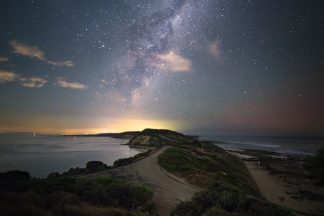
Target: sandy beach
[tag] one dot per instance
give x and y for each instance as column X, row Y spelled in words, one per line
column 277, row 191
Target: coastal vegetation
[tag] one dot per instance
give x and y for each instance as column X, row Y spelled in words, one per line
column 72, row 196
column 221, row 200
column 228, row 188
column 315, row 164
column 203, row 169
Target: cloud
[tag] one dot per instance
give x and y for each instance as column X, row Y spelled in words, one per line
column 33, row 82
column 172, row 62
column 8, row 76
column 27, row 50
column 62, row 82
column 35, row 53
column 213, row 49
column 3, row 59
column 67, row 63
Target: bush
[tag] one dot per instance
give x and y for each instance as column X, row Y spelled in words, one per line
column 230, row 201
column 218, row 212
column 14, row 175
column 61, row 191
column 95, row 166
column 56, row 204
column 315, row 165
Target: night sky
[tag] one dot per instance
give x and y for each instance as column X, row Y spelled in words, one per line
column 196, row 66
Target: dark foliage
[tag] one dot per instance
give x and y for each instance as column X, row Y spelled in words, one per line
column 315, row 165
column 101, row 192
column 95, row 166
column 230, row 201
column 14, row 175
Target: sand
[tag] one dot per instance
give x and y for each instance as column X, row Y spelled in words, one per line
column 275, row 190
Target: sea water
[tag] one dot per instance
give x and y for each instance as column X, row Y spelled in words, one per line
column 286, row 145
column 43, row 154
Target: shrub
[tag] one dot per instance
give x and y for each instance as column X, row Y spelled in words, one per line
column 218, row 212
column 230, row 201
column 15, row 175
column 61, row 191
column 95, row 166
column 315, row 165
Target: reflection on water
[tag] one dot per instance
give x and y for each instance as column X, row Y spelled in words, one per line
column 43, row 154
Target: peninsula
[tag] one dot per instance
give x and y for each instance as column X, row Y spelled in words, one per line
column 177, row 175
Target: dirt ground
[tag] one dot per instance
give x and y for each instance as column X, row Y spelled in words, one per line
column 168, row 189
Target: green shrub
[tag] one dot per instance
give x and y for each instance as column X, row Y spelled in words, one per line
column 56, row 204
column 315, row 165
column 61, row 191
column 218, row 212
column 95, row 166
column 230, row 201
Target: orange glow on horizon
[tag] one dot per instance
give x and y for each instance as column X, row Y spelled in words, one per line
column 113, row 126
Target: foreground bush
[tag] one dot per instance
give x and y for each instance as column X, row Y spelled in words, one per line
column 68, row 195
column 56, row 204
column 225, row 201
column 315, row 165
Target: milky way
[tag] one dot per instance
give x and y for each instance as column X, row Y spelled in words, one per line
column 198, row 66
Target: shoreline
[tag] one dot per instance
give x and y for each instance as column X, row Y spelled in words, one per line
column 282, row 189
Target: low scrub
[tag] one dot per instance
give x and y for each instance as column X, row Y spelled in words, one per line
column 204, row 169
column 67, row 194
column 315, row 164
column 225, row 201
column 55, row 204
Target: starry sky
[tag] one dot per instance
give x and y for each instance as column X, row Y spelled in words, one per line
column 196, row 66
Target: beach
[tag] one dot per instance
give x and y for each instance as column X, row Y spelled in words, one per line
column 285, row 190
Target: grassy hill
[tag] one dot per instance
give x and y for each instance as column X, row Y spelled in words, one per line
column 228, row 187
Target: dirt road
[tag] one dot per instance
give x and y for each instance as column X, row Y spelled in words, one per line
column 168, row 189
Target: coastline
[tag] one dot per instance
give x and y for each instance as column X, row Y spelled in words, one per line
column 175, row 167
column 283, row 188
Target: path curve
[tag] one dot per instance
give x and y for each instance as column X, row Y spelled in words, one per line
column 168, row 189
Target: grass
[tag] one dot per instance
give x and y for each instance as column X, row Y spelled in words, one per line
column 203, row 169
column 229, row 188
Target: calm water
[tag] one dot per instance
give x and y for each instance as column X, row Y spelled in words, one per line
column 43, row 154
column 289, row 145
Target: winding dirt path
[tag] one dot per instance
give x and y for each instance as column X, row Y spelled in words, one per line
column 168, row 189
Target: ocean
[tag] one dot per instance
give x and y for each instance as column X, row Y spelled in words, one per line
column 43, row 154
column 284, row 145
